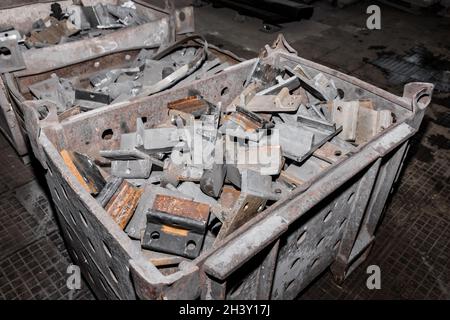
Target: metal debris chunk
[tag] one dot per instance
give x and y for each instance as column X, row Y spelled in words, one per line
column 138, row 222
column 176, row 226
column 84, row 170
column 11, row 58
column 122, row 204
column 110, row 188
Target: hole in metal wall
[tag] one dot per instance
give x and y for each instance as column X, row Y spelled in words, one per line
column 85, row 260
column 43, row 112
column 336, row 245
column 68, row 234
column 191, row 245
column 83, row 218
column 182, row 16
column 113, row 275
column 57, row 193
column 327, row 216
column 320, row 242
column 90, row 278
column 5, row 53
column 64, row 193
column 294, row 263
column 301, row 237
column 350, row 197
column 107, row 134
column 91, row 245
column 224, row 91
column 103, row 284
column 290, row 284
column 107, row 250
column 75, row 255
column 342, row 223
column 72, row 217
column 154, row 235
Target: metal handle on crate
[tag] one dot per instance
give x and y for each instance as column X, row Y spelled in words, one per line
column 419, row 93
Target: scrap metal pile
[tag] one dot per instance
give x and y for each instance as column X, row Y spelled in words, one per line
column 150, row 72
column 181, row 187
column 76, row 22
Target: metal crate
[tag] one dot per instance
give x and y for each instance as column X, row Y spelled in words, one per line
column 330, row 221
column 165, row 25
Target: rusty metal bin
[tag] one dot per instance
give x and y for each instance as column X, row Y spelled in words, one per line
column 329, row 221
column 165, row 24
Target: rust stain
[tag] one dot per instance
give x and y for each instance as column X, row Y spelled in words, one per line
column 189, row 104
column 329, row 152
column 289, row 179
column 68, row 160
column 182, row 207
column 174, row 231
column 245, row 122
column 229, row 196
column 123, row 204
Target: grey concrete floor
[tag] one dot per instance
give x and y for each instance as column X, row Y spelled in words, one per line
column 413, row 241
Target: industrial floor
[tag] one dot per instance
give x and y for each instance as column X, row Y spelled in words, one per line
column 412, row 247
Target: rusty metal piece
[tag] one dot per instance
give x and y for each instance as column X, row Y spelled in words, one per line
column 282, row 102
column 159, row 259
column 176, row 225
column 52, row 34
column 229, row 196
column 110, row 188
column 309, row 169
column 359, row 119
column 212, row 180
column 265, row 159
column 244, row 97
column 182, row 207
column 175, row 76
column 249, row 121
column 194, row 105
column 371, row 122
column 292, row 181
column 11, row 58
column 244, row 209
column 138, row 223
column 174, row 173
column 186, row 119
column 345, row 114
column 123, row 203
column 297, row 148
column 334, row 150
column 69, row 113
column 55, row 89
column 68, row 160
column 84, row 170
column 244, row 124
